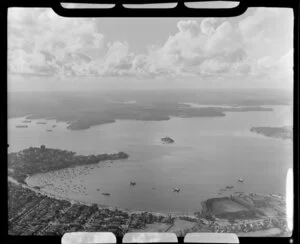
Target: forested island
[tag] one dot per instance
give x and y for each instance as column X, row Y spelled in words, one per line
column 35, row 160
column 167, row 140
column 284, row 132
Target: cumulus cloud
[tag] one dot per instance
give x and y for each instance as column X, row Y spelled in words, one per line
column 40, row 42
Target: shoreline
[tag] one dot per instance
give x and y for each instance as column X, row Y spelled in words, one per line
column 26, row 156
column 100, row 206
column 137, row 220
column 216, row 111
column 103, row 206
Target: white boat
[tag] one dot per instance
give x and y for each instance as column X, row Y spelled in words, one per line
column 241, row 180
column 176, row 189
column 132, row 183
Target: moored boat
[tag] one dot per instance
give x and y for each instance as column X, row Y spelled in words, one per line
column 132, row 183
column 21, row 126
column 176, row 189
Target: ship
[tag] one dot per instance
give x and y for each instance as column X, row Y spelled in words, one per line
column 21, row 126
column 26, row 121
column 48, row 130
column 132, row 183
column 167, row 140
column 176, row 189
column 229, row 187
column 106, row 194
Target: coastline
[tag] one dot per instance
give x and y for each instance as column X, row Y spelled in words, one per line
column 137, row 220
column 72, row 201
column 188, row 111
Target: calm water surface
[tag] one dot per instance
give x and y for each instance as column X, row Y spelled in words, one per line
column 208, row 154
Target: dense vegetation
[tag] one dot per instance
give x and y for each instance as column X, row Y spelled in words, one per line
column 38, row 160
column 84, row 110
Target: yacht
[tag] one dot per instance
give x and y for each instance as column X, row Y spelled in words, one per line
column 132, row 183
column 176, row 189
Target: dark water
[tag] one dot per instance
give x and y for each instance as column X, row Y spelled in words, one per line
column 208, row 154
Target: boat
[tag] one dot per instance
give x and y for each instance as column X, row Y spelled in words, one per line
column 48, row 130
column 229, row 187
column 132, row 183
column 176, row 189
column 53, row 126
column 167, row 140
column 41, row 123
column 240, row 180
column 21, row 126
column 106, row 194
column 26, row 121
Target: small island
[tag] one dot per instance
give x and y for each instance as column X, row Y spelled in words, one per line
column 284, row 132
column 167, row 140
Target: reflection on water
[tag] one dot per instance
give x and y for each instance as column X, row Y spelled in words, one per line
column 208, row 154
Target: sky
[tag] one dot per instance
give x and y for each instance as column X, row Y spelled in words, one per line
column 50, row 52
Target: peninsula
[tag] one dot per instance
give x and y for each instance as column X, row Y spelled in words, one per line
column 36, row 160
column 284, row 132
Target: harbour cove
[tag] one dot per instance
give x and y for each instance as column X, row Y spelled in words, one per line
column 184, row 129
column 200, row 162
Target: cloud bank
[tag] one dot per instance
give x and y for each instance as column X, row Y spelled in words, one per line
column 258, row 45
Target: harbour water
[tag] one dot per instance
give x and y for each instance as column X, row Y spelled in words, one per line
column 208, row 154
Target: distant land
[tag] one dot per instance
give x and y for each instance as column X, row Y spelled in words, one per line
column 81, row 111
column 284, row 132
